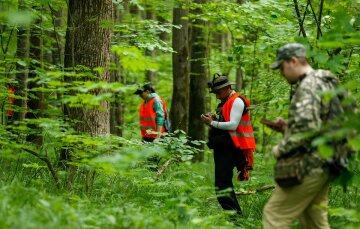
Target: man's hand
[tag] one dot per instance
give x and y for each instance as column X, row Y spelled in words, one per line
column 158, row 131
column 207, row 118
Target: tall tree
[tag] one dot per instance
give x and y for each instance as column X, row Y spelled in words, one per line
column 180, row 61
column 22, row 53
column 57, row 52
column 150, row 73
column 198, row 76
column 239, row 71
column 116, row 106
column 88, row 44
column 35, row 102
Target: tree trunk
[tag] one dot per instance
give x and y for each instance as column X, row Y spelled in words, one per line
column 88, row 44
column 239, row 75
column 180, row 61
column 239, row 72
column 116, row 107
column 35, row 101
column 150, row 73
column 164, row 36
column 22, row 53
column 198, row 79
column 58, row 50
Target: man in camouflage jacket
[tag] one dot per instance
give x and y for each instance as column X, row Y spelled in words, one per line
column 308, row 110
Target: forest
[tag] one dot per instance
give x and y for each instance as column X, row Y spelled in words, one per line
column 71, row 154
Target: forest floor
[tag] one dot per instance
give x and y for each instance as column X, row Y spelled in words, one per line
column 138, row 198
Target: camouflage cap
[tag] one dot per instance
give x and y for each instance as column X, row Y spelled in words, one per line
column 286, row 52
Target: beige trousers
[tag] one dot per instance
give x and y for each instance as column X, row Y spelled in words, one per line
column 307, row 202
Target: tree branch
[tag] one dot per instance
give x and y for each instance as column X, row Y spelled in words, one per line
column 302, row 29
column 49, row 165
column 303, row 18
column 318, row 25
column 319, row 19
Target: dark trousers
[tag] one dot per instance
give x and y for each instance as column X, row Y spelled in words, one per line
column 225, row 161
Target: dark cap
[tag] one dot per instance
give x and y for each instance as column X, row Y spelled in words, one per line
column 218, row 82
column 145, row 87
column 286, row 52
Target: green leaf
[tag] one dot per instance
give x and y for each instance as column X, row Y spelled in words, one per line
column 325, row 151
column 355, row 143
column 22, row 63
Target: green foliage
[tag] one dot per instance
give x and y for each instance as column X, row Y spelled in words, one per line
column 133, row 60
column 109, row 182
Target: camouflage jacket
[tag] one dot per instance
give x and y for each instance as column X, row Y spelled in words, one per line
column 308, row 110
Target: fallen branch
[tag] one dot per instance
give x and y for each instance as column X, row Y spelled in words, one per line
column 259, row 189
column 162, row 169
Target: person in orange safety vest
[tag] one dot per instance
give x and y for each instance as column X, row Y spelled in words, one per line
column 232, row 139
column 152, row 112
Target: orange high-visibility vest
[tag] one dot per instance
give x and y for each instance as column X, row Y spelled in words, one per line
column 148, row 118
column 243, row 136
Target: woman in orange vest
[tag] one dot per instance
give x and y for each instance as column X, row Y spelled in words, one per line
column 152, row 113
column 231, row 136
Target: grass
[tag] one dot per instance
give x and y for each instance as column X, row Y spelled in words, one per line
column 135, row 198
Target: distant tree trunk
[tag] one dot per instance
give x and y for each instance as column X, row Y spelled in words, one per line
column 22, row 53
column 222, row 41
column 164, row 36
column 198, row 79
column 134, row 10
column 58, row 50
column 150, row 73
column 116, row 107
column 35, row 101
column 239, row 72
column 180, row 61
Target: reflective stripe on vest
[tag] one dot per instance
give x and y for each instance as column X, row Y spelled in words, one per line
column 243, row 136
column 148, row 127
column 148, row 118
column 232, row 133
column 245, row 123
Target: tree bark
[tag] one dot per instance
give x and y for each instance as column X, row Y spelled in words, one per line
column 116, row 107
column 150, row 73
column 35, row 103
column 22, row 53
column 57, row 52
column 88, row 44
column 180, row 61
column 198, row 80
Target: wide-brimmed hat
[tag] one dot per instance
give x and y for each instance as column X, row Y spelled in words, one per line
column 145, row 87
column 286, row 52
column 219, row 81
